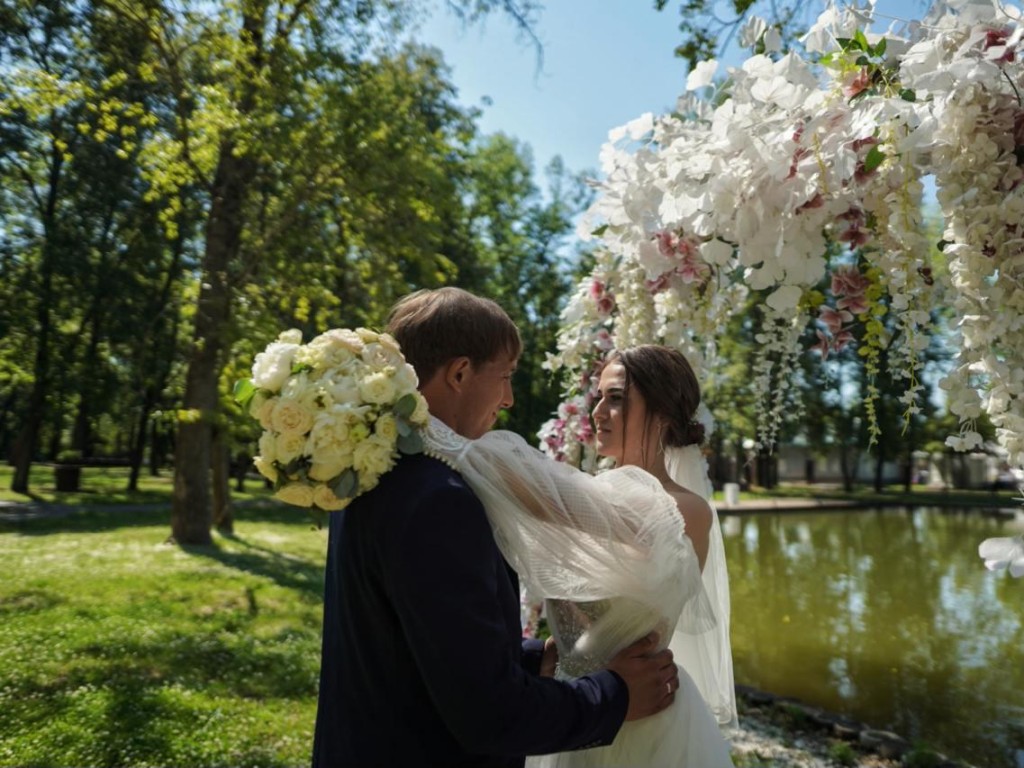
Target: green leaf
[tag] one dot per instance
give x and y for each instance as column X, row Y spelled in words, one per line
column 863, row 61
column 600, row 230
column 411, row 443
column 880, row 48
column 873, row 159
column 345, row 484
column 298, row 368
column 404, row 427
column 405, row 405
column 850, row 44
column 862, row 41
column 244, row 391
column 908, row 95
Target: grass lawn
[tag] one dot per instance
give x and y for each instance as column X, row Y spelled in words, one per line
column 117, row 649
column 106, row 485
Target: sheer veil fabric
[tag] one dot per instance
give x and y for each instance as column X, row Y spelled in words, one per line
column 609, row 556
column 580, row 538
column 707, row 656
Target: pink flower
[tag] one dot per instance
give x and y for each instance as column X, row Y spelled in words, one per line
column 854, row 236
column 832, row 319
column 859, row 84
column 848, row 280
column 856, row 303
column 841, row 339
column 693, row 271
column 605, row 305
column 822, row 345
column 997, row 37
column 603, row 340
column 815, row 202
column 666, row 246
column 596, row 290
column 657, row 285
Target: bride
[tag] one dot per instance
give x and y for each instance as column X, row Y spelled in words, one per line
column 609, row 553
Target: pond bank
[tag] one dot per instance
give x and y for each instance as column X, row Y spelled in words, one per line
column 780, row 732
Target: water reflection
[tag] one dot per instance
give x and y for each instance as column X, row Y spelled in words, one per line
column 886, row 616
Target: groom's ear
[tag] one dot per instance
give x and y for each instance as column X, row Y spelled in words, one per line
column 456, row 372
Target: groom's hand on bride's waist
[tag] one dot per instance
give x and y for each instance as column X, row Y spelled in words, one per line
column 649, row 674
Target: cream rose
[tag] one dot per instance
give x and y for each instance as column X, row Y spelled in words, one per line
column 405, row 378
column 358, row 432
column 386, row 428
column 373, row 457
column 299, row 494
column 330, row 442
column 265, row 413
column 291, row 336
column 366, row 335
column 377, row 388
column 422, row 413
column 290, row 445
column 272, row 367
column 324, row 498
column 324, row 471
column 291, row 416
column 266, row 468
column 268, row 446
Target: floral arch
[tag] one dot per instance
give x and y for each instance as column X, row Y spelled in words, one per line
column 802, row 168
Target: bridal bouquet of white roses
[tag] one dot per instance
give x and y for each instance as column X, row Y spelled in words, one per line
column 336, row 413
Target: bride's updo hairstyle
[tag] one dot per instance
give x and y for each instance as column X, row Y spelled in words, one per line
column 434, row 327
column 666, row 382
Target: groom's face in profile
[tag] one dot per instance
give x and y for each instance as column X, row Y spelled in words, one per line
column 486, row 390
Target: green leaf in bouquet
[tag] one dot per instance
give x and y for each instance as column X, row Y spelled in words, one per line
column 403, row 425
column 345, row 485
column 244, row 391
column 405, row 406
column 411, row 443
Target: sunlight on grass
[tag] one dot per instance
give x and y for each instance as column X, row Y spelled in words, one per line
column 117, row 649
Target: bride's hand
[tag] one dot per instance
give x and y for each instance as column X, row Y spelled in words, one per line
column 549, row 660
column 651, row 676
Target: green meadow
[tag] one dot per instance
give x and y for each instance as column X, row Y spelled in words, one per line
column 118, row 648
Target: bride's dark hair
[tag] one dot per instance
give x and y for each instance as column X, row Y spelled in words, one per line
column 669, row 388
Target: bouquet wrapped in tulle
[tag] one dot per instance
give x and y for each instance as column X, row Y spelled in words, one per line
column 336, row 413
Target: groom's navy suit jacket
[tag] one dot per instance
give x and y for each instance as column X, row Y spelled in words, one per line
column 423, row 659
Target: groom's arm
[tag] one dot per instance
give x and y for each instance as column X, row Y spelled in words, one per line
column 445, row 590
column 533, row 655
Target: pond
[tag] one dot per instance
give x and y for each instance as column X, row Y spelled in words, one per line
column 887, row 616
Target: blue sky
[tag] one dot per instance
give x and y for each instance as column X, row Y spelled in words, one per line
column 605, row 63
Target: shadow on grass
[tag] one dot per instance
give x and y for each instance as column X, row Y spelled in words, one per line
column 283, row 569
column 83, row 518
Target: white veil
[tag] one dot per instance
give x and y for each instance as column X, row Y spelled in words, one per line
column 576, row 537
column 707, row 656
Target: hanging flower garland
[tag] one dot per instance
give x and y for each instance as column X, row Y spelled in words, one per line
column 751, row 188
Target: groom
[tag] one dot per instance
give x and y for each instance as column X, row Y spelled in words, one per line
column 423, row 662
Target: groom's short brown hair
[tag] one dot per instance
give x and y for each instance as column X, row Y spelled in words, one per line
column 436, row 326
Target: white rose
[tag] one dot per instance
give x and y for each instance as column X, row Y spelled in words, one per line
column 343, row 390
column 386, row 428
column 299, row 494
column 290, row 445
column 366, row 335
column 372, row 458
column 271, row 368
column 377, row 388
column 265, row 413
column 422, row 413
column 265, row 468
column 291, row 336
column 405, row 378
column 329, row 438
column 268, row 446
column 324, row 498
column 345, row 339
column 388, row 341
column 291, row 416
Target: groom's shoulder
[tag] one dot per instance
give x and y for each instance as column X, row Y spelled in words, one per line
column 421, row 473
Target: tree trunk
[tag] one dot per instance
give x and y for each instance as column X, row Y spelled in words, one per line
column 223, row 510
column 191, row 513
column 138, row 447
column 879, row 466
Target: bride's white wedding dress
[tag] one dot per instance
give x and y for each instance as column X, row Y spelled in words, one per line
column 609, row 556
